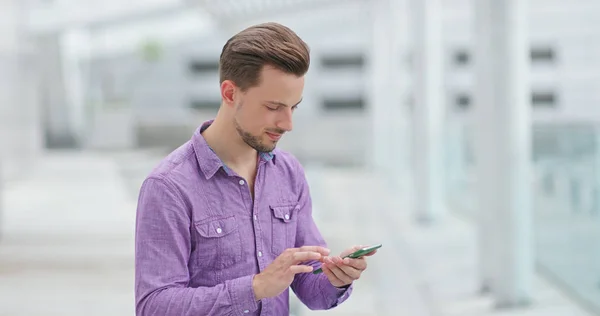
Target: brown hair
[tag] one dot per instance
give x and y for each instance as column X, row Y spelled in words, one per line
column 272, row 44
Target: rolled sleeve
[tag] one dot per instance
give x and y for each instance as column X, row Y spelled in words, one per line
column 329, row 290
column 242, row 295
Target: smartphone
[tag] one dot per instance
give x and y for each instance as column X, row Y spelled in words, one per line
column 357, row 254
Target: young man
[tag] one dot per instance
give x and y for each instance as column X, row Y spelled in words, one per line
column 224, row 223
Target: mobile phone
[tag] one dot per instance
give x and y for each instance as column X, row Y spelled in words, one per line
column 357, row 254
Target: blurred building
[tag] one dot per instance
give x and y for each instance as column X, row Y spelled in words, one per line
column 154, row 90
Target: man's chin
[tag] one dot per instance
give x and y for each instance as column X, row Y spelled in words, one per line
column 269, row 149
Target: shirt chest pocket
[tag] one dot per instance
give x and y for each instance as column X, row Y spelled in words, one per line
column 219, row 243
column 284, row 224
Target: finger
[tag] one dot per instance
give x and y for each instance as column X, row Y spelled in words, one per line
column 332, row 278
column 322, row 250
column 339, row 274
column 351, row 272
column 359, row 264
column 295, row 269
column 306, row 256
column 328, row 260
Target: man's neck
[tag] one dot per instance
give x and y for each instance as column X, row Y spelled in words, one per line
column 225, row 141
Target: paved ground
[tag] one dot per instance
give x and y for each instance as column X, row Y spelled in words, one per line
column 67, row 240
column 67, row 244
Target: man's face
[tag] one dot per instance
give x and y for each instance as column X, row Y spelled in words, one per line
column 264, row 113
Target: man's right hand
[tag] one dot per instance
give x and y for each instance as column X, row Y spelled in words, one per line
column 280, row 273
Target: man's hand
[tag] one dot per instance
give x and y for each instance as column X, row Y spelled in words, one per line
column 280, row 273
column 342, row 272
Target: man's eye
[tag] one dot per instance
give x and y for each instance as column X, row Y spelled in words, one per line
column 272, row 108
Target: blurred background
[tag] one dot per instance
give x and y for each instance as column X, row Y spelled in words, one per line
column 463, row 135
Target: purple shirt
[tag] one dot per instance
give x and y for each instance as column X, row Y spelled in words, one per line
column 200, row 238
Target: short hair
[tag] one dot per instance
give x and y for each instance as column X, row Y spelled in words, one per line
column 268, row 44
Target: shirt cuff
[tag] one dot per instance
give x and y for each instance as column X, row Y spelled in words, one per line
column 242, row 295
column 341, row 293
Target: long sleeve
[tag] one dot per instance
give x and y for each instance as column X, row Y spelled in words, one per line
column 315, row 291
column 162, row 251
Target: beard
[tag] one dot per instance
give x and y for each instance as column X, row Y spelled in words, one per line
column 253, row 141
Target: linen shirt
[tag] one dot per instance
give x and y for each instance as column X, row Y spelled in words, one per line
column 201, row 237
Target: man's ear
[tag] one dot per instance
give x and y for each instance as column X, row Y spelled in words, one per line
column 228, row 90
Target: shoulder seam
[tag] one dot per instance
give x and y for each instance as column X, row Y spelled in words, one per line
column 169, row 185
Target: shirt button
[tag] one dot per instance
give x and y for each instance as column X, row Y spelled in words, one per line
column 287, row 216
column 260, row 253
column 219, row 230
column 255, row 217
column 246, row 311
column 242, row 182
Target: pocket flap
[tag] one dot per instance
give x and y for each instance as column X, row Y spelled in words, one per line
column 213, row 228
column 284, row 212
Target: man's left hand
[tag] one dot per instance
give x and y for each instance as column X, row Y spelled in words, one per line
column 342, row 272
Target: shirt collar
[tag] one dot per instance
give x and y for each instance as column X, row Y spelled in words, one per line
column 208, row 160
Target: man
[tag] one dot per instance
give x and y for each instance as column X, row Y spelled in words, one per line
column 224, row 223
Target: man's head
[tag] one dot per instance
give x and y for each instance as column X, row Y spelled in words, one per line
column 262, row 72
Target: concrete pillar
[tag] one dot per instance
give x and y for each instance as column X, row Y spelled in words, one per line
column 428, row 120
column 9, row 68
column 503, row 150
column 384, row 90
column 55, row 106
column 75, row 48
column 19, row 131
column 379, row 61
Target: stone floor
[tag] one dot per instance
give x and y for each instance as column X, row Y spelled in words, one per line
column 67, row 244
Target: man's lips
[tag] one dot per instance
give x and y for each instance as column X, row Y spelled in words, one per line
column 274, row 136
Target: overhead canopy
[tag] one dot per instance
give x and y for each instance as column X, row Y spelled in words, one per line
column 235, row 10
column 66, row 14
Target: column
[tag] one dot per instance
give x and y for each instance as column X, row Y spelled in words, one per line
column 384, row 90
column 56, row 122
column 19, row 131
column 75, row 48
column 379, row 61
column 19, row 137
column 9, row 15
column 503, row 136
column 428, row 114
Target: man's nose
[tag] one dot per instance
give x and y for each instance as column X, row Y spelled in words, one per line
column 285, row 123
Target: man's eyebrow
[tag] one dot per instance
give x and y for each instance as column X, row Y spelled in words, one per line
column 283, row 104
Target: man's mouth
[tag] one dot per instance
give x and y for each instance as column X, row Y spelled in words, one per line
column 274, row 136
